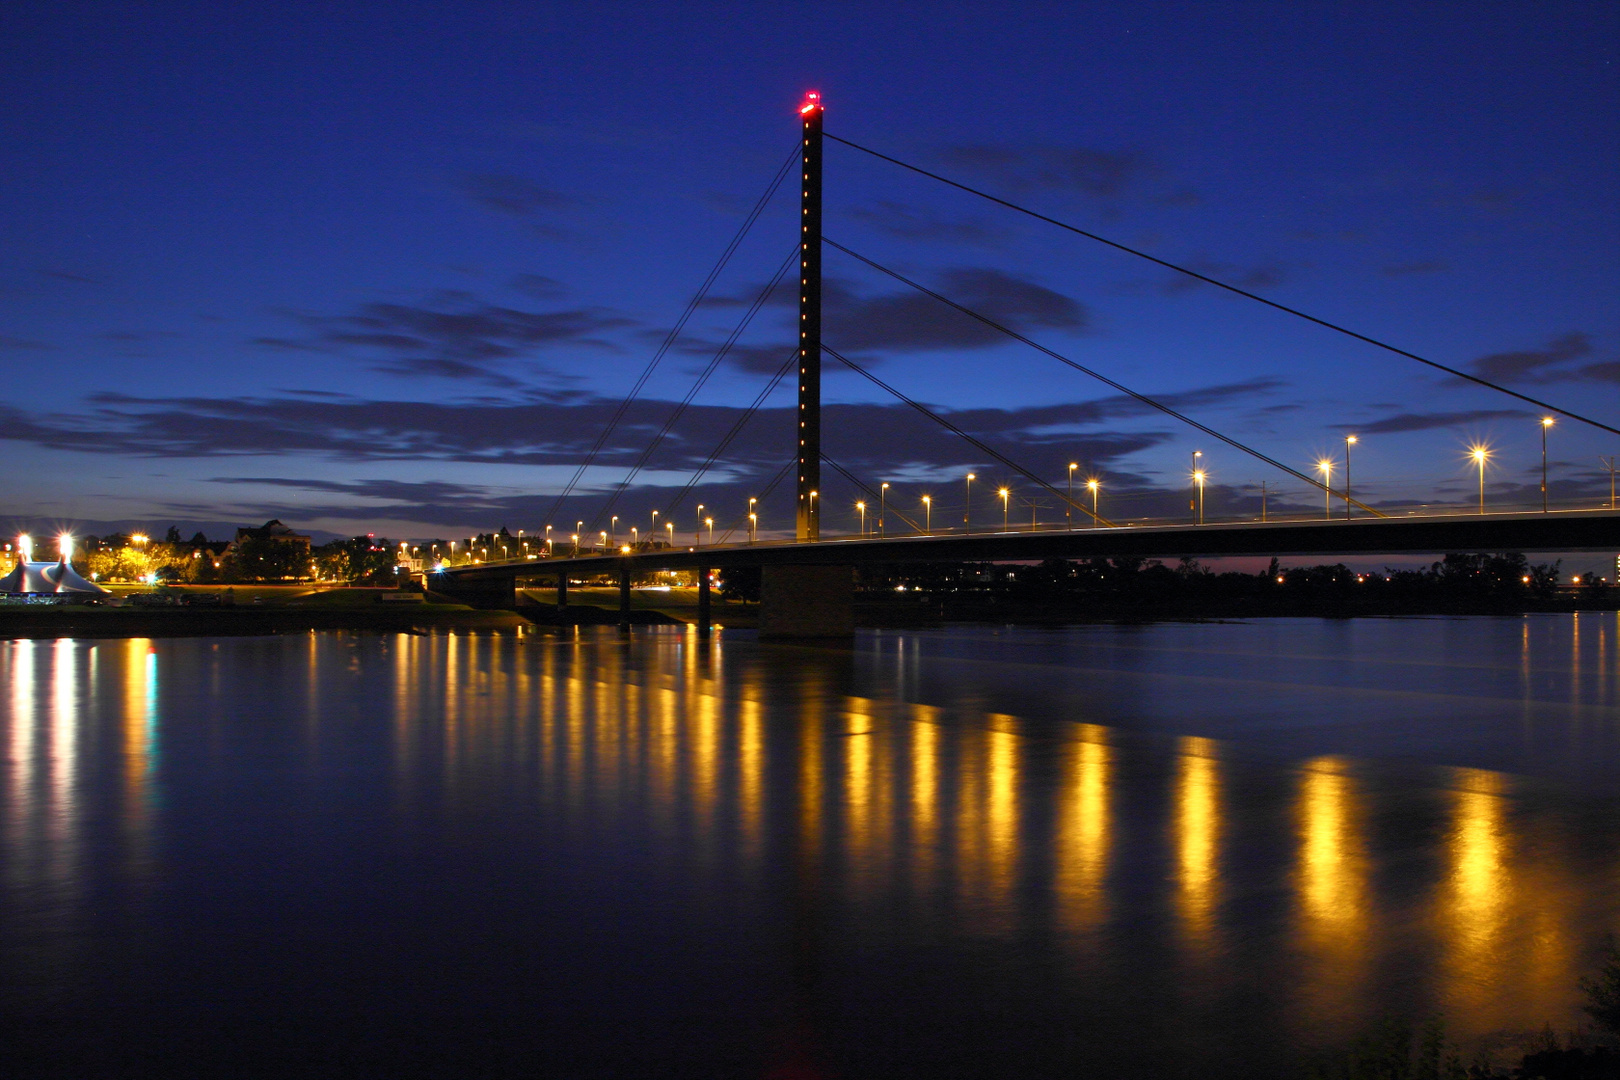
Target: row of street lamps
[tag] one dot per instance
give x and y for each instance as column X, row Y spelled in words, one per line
column 1479, row 454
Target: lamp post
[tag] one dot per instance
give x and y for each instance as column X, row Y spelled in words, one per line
column 635, row 538
column 1609, row 463
column 576, row 545
column 1349, row 441
column 1325, row 467
column 603, row 534
column 1094, row 484
column 613, row 530
column 1003, row 493
column 1546, row 422
column 967, row 507
column 700, row 517
column 883, row 508
column 710, row 523
column 1193, row 502
column 928, row 515
column 1069, row 512
column 1198, row 478
column 753, row 520
column 1480, row 454
column 670, row 525
column 861, row 506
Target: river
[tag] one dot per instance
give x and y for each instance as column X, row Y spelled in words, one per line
column 1206, row 850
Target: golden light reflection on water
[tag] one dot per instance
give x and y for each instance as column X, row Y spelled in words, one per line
column 1197, row 839
column 1331, row 884
column 1478, row 893
column 924, row 795
column 1080, row 871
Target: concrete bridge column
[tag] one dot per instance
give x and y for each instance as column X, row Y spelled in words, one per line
column 807, row 602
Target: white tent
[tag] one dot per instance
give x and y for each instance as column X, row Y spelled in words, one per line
column 47, row 577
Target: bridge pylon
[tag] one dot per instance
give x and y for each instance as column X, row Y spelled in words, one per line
column 807, row 517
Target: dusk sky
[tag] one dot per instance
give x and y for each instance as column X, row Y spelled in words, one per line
column 390, row 267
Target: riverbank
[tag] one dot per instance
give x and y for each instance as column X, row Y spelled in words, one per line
column 253, row 610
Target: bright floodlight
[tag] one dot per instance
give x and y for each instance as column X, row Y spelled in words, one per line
column 64, row 544
column 25, row 546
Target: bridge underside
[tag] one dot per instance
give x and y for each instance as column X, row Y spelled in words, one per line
column 807, row 588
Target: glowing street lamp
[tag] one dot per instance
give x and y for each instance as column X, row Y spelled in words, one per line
column 603, row 534
column 1069, row 512
column 883, row 508
column 1094, row 484
column 670, row 525
column 1546, row 422
column 928, row 514
column 1196, row 454
column 1480, row 454
column 1349, row 441
column 862, row 508
column 635, row 536
column 709, row 521
column 576, row 545
column 1198, row 478
column 1003, row 493
column 967, row 507
column 1325, row 467
column 753, row 525
column 613, row 530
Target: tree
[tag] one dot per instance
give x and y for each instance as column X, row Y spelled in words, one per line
column 1603, row 991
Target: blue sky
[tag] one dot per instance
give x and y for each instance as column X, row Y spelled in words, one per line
column 390, row 267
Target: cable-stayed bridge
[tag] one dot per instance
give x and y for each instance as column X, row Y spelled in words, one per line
column 808, row 580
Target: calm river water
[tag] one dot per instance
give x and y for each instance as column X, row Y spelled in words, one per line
column 1171, row 850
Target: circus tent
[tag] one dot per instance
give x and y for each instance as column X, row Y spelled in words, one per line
column 29, row 576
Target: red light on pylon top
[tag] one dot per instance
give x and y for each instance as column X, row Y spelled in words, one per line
column 812, row 102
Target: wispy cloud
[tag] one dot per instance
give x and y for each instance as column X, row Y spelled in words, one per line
column 1099, row 173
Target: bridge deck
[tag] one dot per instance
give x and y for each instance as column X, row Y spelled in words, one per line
column 1585, row 530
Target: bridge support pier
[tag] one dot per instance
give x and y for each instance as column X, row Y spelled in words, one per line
column 705, row 623
column 806, row 602
column 488, row 594
column 624, row 597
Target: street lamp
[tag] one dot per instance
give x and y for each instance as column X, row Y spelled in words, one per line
column 700, row 517
column 670, row 525
column 1003, row 493
column 928, row 514
column 1069, row 513
column 1349, row 441
column 1198, row 478
column 613, row 530
column 967, row 507
column 604, row 536
column 862, row 508
column 1325, row 467
column 1196, row 454
column 635, row 537
column 710, row 523
column 883, row 508
column 1546, row 422
column 753, row 524
column 1480, row 454
column 1093, row 484
column 576, row 545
